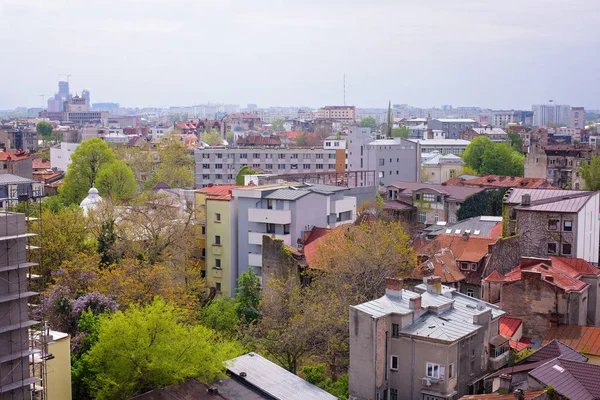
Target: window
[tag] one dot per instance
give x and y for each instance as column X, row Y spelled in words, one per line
column 394, row 363
column 269, row 204
column 422, row 216
column 268, row 155
column 452, row 218
column 497, row 351
column 331, row 156
column 203, row 230
column 567, row 225
column 205, row 166
column 319, row 155
column 256, row 165
column 473, row 266
column 306, row 166
column 452, row 173
column 327, row 143
column 552, row 224
column 306, row 156
column 205, row 176
column 271, row 228
column 218, row 286
column 433, row 370
column 566, row 249
column 464, row 266
column 243, row 155
column 450, row 371
column 470, row 293
column 418, row 196
column 395, row 330
column 219, row 155
column 393, row 394
column 436, row 217
column 381, row 174
column 281, row 155
column 286, row 229
column 319, row 166
column 255, row 155
column 331, row 166
column 281, row 166
column 218, row 176
column 217, row 217
column 381, row 162
column 217, row 263
column 217, row 240
column 218, row 166
column 428, row 197
column 269, row 166
column 551, row 248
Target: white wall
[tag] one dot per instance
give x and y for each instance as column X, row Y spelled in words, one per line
column 60, row 157
column 588, row 230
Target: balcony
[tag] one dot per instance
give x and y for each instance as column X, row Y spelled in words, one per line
column 255, row 260
column 345, row 204
column 264, row 215
column 256, row 238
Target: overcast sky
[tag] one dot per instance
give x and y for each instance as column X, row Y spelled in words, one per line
column 488, row 53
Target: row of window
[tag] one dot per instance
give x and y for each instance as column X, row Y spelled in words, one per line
column 553, row 225
column 566, row 249
column 268, row 156
column 436, row 217
column 270, row 166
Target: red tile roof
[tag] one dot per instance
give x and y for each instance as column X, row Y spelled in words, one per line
column 14, row 156
column 561, row 272
column 442, row 264
column 312, row 242
column 218, row 190
column 584, row 339
column 538, row 394
column 521, row 344
column 40, row 163
column 495, row 276
column 257, row 139
column 509, row 326
column 472, row 249
column 501, row 181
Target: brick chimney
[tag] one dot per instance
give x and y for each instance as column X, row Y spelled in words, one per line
column 415, row 303
column 434, row 284
column 393, row 287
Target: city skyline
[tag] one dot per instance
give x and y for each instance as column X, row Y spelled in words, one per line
column 163, row 53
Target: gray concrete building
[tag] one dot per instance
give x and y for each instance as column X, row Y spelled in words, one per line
column 392, row 159
column 221, row 165
column 433, row 345
column 285, row 212
column 452, row 127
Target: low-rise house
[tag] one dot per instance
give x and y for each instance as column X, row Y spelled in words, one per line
column 432, row 344
column 500, row 181
column 458, row 258
column 13, row 187
column 583, row 339
column 570, row 379
column 516, row 395
column 16, row 163
column 516, row 377
column 438, row 168
column 512, row 329
column 434, row 202
column 495, row 134
column 543, row 292
column 553, row 222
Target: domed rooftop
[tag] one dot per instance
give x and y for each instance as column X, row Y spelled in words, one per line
column 90, row 202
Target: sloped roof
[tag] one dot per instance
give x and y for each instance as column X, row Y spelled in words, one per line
column 14, row 156
column 552, row 350
column 502, row 181
column 584, row 339
column 38, row 163
column 442, row 264
column 10, row 179
column 457, row 193
column 486, row 226
column 472, row 249
column 549, row 200
column 495, row 276
column 538, row 394
column 509, row 326
column 397, row 205
column 574, row 380
column 217, row 189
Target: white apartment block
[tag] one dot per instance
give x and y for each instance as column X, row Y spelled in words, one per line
column 156, row 135
column 545, row 114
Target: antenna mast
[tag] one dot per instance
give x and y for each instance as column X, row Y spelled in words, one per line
column 344, row 89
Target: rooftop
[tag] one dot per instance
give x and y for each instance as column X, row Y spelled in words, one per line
column 509, row 326
column 574, row 380
column 501, row 181
column 442, row 264
column 441, row 142
column 584, row 339
column 452, row 192
column 273, row 380
column 484, row 226
column 535, row 395
column 437, row 159
column 549, row 200
column 10, row 179
column 463, row 120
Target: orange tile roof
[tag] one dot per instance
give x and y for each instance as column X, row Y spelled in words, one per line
column 217, row 190
column 15, row 156
column 312, row 243
column 501, row 181
column 442, row 264
column 39, row 163
column 509, row 326
column 495, row 276
column 584, row 339
column 538, row 394
column 521, row 344
column 472, row 249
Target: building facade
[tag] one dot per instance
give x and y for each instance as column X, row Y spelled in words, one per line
column 452, row 127
column 344, row 114
column 60, row 155
column 546, row 114
column 577, row 118
column 430, row 344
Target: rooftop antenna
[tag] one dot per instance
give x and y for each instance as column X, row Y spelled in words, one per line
column 344, row 89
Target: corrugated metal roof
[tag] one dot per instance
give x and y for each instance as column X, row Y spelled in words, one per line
column 287, row 194
column 10, row 179
column 274, row 380
column 549, row 200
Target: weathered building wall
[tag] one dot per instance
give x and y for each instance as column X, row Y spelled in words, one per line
column 279, row 261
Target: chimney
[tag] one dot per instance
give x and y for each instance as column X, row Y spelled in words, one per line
column 526, row 199
column 393, row 287
column 415, row 303
column 465, row 235
column 519, row 395
column 434, row 284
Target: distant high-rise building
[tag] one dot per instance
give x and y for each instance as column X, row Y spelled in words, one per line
column 546, row 114
column 56, row 103
column 446, row 107
column 85, row 94
column 63, row 88
column 577, row 118
column 252, row 106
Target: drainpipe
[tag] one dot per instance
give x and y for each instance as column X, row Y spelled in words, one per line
column 412, row 378
column 375, row 345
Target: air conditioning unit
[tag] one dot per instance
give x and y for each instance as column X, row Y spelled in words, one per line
column 426, row 381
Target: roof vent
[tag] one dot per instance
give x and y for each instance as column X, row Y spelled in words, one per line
column 526, row 199
column 481, row 306
column 243, row 374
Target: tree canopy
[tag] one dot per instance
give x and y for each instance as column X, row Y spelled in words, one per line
column 590, row 172
column 487, row 157
column 245, row 170
column 368, row 122
column 116, row 180
column 86, row 161
column 145, row 348
column 277, row 125
column 176, row 167
column 401, row 132
column 212, row 137
column 44, row 129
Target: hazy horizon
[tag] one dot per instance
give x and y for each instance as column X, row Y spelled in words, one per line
column 160, row 53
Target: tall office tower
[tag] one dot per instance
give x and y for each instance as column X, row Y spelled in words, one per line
column 85, row 94
column 63, row 88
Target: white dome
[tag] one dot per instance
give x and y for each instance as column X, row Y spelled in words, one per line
column 91, row 200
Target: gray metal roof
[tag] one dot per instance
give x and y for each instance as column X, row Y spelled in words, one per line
column 482, row 225
column 550, row 200
column 274, row 380
column 450, row 325
column 287, row 194
column 10, row 179
column 325, row 188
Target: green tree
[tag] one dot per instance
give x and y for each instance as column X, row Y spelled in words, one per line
column 277, row 125
column 212, row 138
column 473, row 154
column 147, row 348
column 487, row 202
column 245, row 170
column 368, row 122
column 302, row 139
column 176, row 167
column 516, row 141
column 590, row 172
column 230, row 137
column 497, row 159
column 116, row 180
column 221, row 314
column 141, row 162
column 86, row 162
column 517, row 164
column 44, row 129
column 248, row 296
column 317, row 376
column 401, row 132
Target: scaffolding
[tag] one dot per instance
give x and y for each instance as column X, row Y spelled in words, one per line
column 23, row 341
